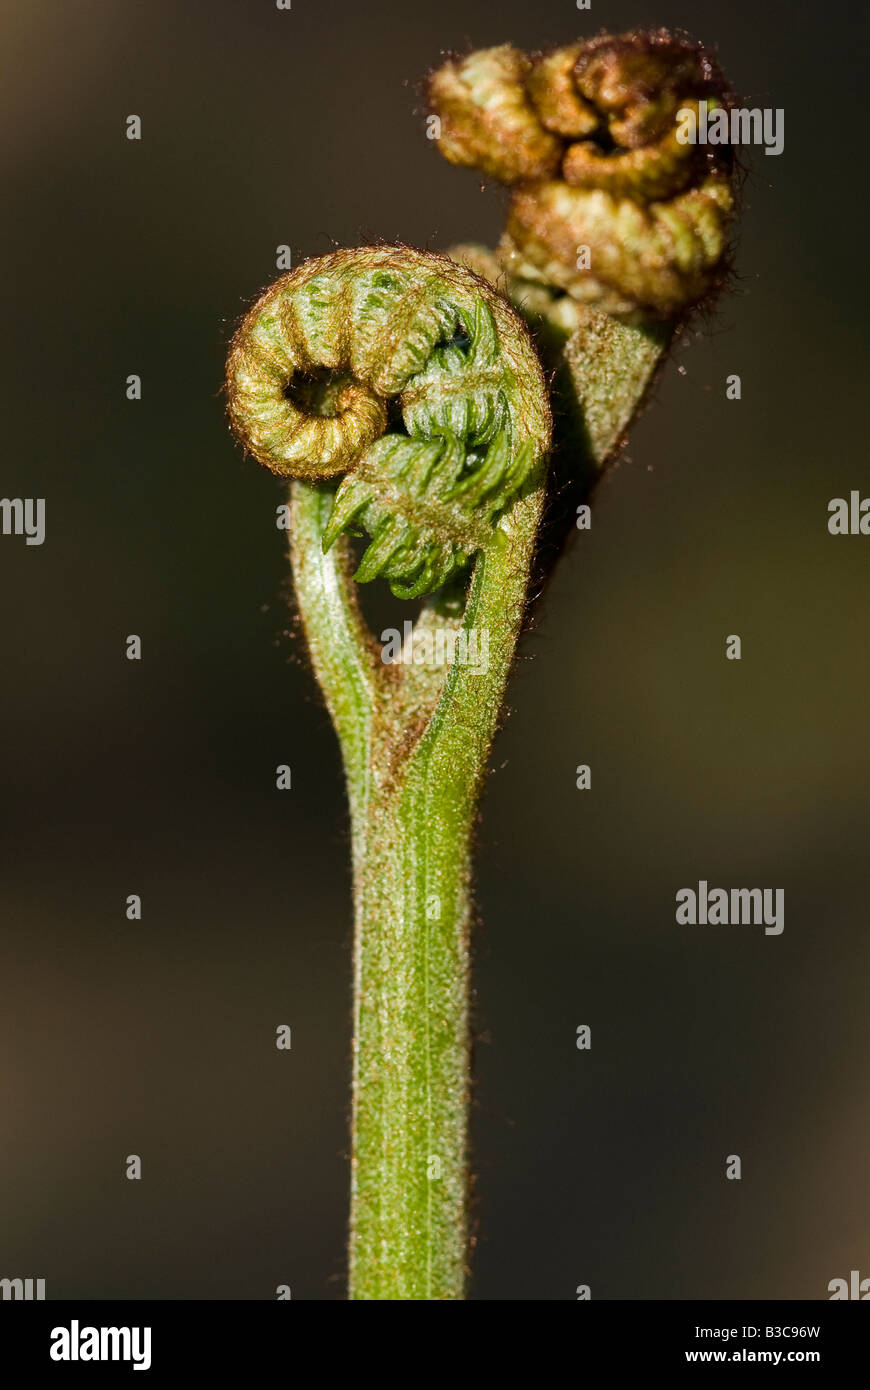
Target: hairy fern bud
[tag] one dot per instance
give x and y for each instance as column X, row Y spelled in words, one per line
column 409, row 378
column 607, row 204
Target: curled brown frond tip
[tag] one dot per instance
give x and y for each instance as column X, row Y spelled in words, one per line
column 608, row 203
column 404, row 375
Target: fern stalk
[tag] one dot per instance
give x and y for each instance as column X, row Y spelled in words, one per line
column 402, row 396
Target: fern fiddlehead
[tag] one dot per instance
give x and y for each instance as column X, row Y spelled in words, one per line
column 403, row 398
column 586, row 137
column 615, row 229
column 389, row 324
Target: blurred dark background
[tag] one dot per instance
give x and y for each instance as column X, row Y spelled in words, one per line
column 263, row 127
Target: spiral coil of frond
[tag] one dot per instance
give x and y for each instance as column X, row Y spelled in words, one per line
column 587, row 138
column 410, row 378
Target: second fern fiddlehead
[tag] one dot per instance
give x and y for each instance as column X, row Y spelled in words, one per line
column 404, row 398
column 586, row 137
column 615, row 229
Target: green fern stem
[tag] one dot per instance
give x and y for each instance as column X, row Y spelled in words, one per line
column 415, row 757
column 451, row 507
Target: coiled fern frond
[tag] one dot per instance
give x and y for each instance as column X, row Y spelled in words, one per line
column 413, row 381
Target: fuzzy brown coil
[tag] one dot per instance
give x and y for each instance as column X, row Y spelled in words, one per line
column 607, row 203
